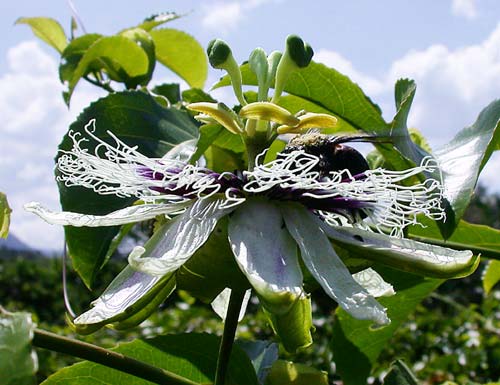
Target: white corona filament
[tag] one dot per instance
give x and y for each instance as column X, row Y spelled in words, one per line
column 115, row 169
column 390, row 206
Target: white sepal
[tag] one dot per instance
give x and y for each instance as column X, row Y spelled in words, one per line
column 328, row 269
column 124, row 292
column 266, row 253
column 130, row 214
column 404, row 254
column 180, row 238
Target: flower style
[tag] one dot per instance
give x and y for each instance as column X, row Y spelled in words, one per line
column 271, row 210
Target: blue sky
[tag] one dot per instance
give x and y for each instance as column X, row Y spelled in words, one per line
column 450, row 47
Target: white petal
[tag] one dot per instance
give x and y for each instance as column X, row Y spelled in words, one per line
column 266, row 253
column 180, row 238
column 404, row 254
column 125, row 291
column 127, row 215
column 221, row 303
column 184, row 151
column 374, row 283
column 328, row 269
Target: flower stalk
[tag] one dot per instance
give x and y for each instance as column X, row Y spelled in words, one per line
column 226, row 344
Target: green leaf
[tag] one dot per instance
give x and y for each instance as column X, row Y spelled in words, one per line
column 72, row 55
column 400, row 374
column 47, row 29
column 18, row 362
column 122, row 58
column 145, row 41
column 479, row 239
column 338, row 94
column 192, row 356
column 136, row 119
column 355, row 346
column 5, row 211
column 229, row 141
column 272, row 152
column 462, row 159
column 195, row 95
column 182, row 54
column 221, row 160
column 404, row 94
column 491, row 275
column 401, row 153
column 419, row 139
column 171, row 91
column 208, row 134
column 158, row 19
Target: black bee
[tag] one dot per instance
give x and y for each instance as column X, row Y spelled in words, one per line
column 333, row 154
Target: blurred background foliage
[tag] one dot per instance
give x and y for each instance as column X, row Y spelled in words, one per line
column 454, row 335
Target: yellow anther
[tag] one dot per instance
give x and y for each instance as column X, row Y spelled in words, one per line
column 268, row 111
column 221, row 113
column 307, row 121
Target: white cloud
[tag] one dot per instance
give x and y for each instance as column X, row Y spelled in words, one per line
column 225, row 15
column 465, row 8
column 222, row 16
column 33, row 119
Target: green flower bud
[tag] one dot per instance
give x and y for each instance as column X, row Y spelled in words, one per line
column 218, row 53
column 272, row 61
column 259, row 66
column 291, row 373
column 297, row 55
column 221, row 57
column 301, row 53
column 294, row 327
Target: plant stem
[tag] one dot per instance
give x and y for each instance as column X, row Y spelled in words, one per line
column 104, row 86
column 109, row 358
column 226, row 344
